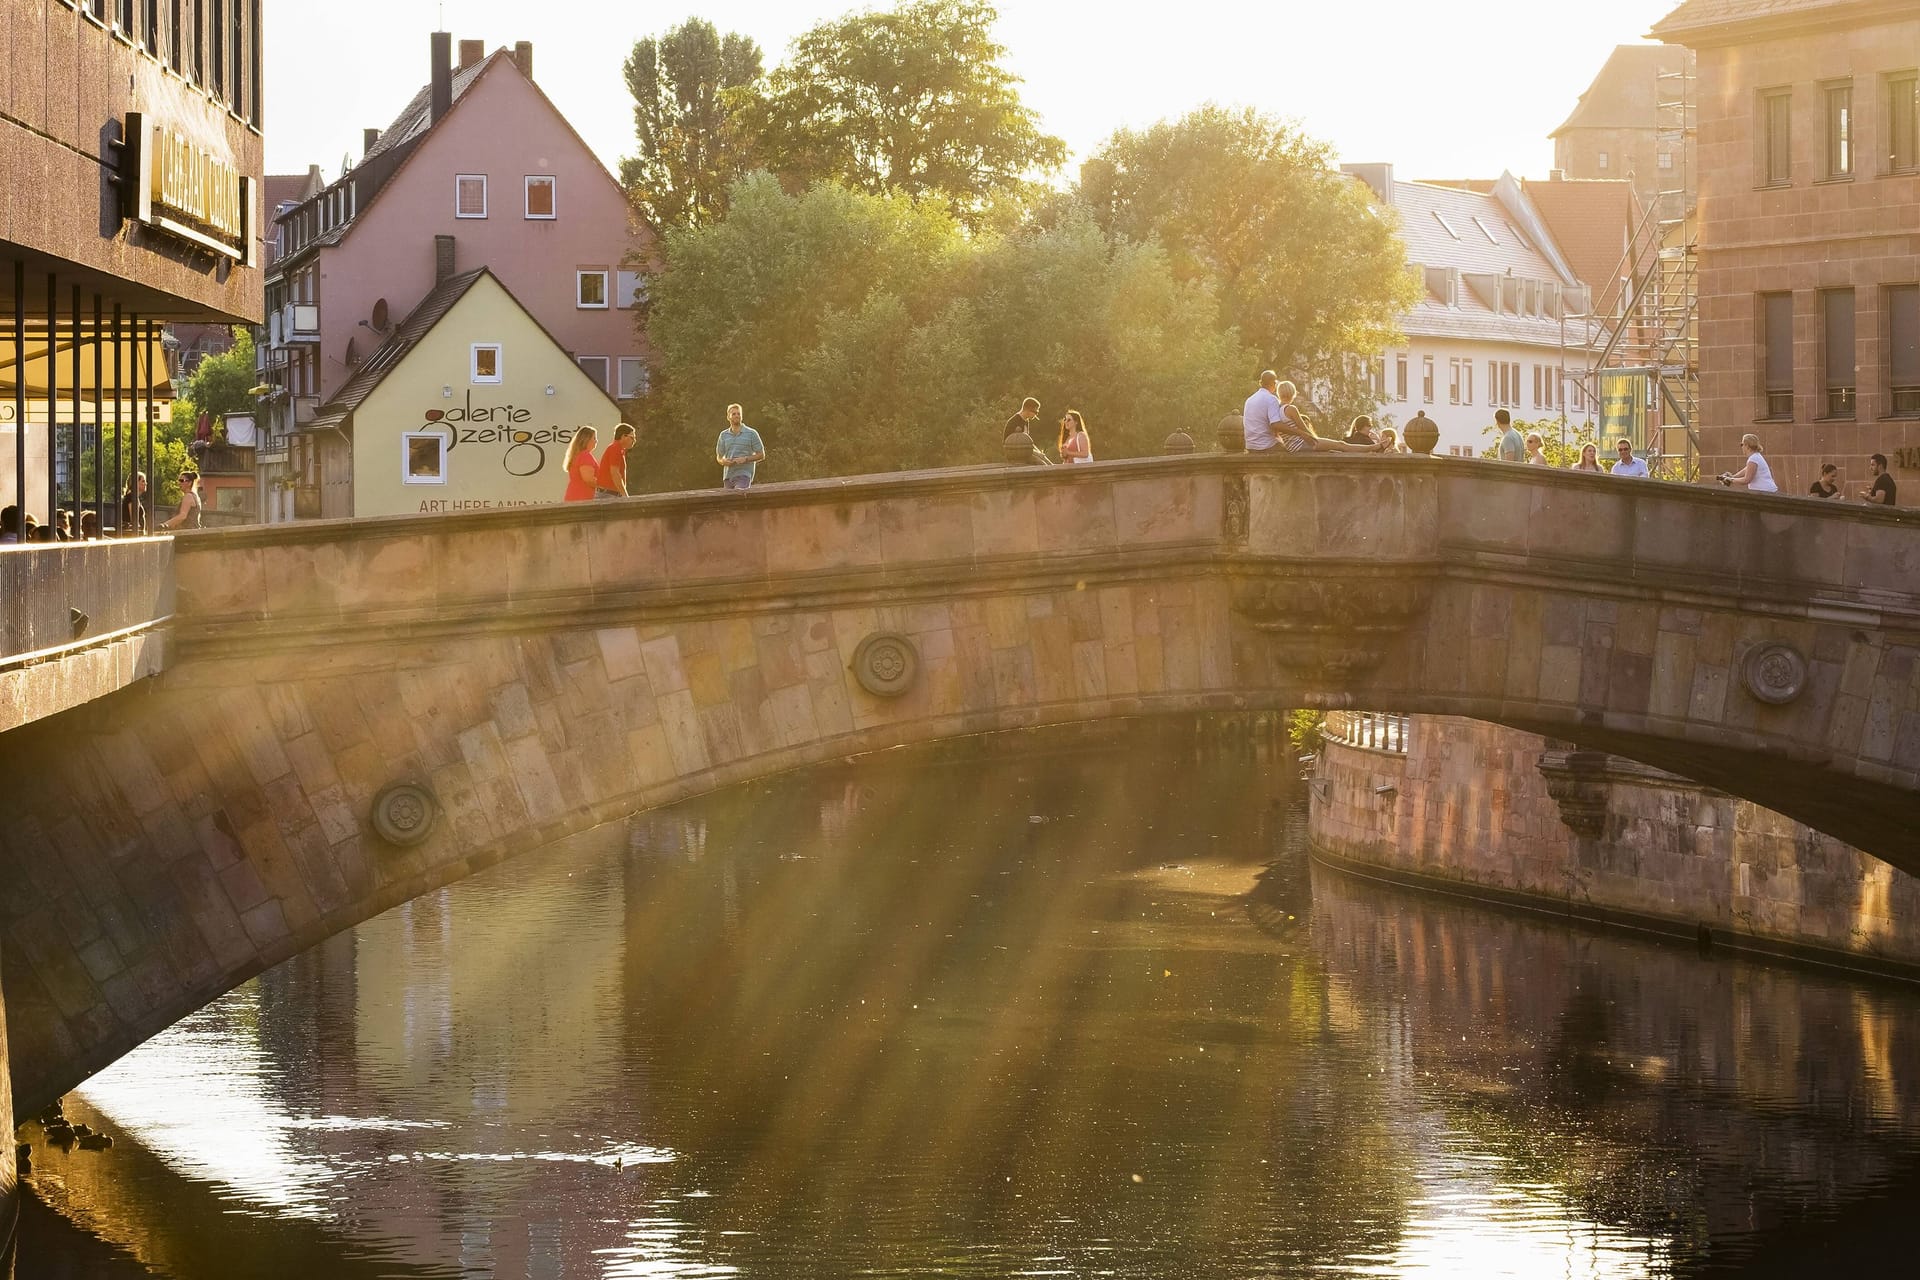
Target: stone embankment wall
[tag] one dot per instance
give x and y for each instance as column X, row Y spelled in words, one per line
column 1502, row 814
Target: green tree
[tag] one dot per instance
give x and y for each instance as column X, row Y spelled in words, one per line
column 686, row 155
column 1308, row 269
column 911, row 100
column 169, row 460
column 219, row 385
column 869, row 333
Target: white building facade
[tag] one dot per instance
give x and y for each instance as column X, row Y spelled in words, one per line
column 1502, row 318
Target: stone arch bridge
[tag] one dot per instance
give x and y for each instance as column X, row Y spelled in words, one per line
column 538, row 671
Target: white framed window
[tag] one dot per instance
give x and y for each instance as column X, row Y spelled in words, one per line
column 423, row 457
column 540, row 197
column 488, row 367
column 590, row 288
column 633, row 378
column 629, row 290
column 595, row 367
column 1605, row 160
column 470, row 195
column 1666, row 159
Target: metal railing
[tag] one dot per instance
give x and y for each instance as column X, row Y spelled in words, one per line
column 1372, row 730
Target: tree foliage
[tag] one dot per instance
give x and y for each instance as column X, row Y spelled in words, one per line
column 869, row 333
column 1307, row 268
column 219, row 385
column 686, row 152
column 911, row 100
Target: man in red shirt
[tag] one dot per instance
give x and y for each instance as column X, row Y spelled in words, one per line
column 612, row 479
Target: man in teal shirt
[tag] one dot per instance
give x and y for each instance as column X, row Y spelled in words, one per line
column 1512, row 447
column 737, row 452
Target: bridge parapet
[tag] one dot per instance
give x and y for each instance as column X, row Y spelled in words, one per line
column 81, row 620
column 533, row 672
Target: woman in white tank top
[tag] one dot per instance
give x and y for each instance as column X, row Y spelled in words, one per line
column 1075, row 446
column 1757, row 475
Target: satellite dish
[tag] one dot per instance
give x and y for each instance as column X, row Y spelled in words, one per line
column 380, row 313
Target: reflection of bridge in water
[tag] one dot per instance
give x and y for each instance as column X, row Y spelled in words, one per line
column 536, row 672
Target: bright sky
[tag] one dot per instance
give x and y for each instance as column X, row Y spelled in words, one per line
column 1462, row 89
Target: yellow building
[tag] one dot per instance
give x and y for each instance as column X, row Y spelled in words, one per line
column 467, row 407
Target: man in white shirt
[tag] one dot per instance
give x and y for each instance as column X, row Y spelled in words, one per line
column 1261, row 414
column 1628, row 465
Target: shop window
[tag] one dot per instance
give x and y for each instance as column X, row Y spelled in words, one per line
column 540, row 198
column 487, row 363
column 633, row 378
column 470, row 196
column 423, row 457
column 590, row 288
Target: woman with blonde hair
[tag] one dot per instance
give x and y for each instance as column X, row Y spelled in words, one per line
column 1075, row 444
column 1757, row 475
column 1589, row 458
column 1296, row 433
column 581, row 468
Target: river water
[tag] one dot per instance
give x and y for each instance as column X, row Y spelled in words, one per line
column 1035, row 1005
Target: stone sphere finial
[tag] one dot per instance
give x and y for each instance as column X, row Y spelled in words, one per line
column 1020, row 450
column 1178, row 442
column 1232, row 434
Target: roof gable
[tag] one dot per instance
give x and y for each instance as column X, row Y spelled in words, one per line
column 391, row 354
column 1708, row 21
column 1625, row 94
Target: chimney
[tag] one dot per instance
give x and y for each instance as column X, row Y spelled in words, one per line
column 442, row 259
column 369, row 139
column 471, row 52
column 523, row 55
column 442, row 43
column 1556, row 175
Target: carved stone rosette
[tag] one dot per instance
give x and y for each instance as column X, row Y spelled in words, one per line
column 1330, row 628
column 1578, row 783
column 886, row 664
column 1775, row 672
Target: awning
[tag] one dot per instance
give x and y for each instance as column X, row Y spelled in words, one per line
column 138, row 360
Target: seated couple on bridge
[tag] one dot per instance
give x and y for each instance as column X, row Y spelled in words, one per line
column 1272, row 421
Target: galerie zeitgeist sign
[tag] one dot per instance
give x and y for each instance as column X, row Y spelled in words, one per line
column 185, row 190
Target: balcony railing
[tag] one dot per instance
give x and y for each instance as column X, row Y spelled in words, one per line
column 1373, row 730
column 223, row 459
column 294, row 322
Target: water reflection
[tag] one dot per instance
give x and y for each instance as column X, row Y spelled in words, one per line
column 1011, row 1007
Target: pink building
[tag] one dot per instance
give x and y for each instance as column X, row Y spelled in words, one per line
column 479, row 170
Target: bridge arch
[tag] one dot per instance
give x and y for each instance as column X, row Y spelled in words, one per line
column 541, row 671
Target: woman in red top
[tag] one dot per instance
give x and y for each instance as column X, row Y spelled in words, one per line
column 581, row 468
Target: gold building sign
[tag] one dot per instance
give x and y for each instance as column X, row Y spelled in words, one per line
column 184, row 189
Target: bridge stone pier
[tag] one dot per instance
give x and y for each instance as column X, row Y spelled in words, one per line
column 526, row 674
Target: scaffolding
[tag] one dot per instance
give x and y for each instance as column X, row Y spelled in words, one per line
column 1652, row 327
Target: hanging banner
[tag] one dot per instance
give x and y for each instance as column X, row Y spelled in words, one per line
column 1623, row 405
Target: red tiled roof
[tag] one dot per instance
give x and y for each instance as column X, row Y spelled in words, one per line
column 1591, row 221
